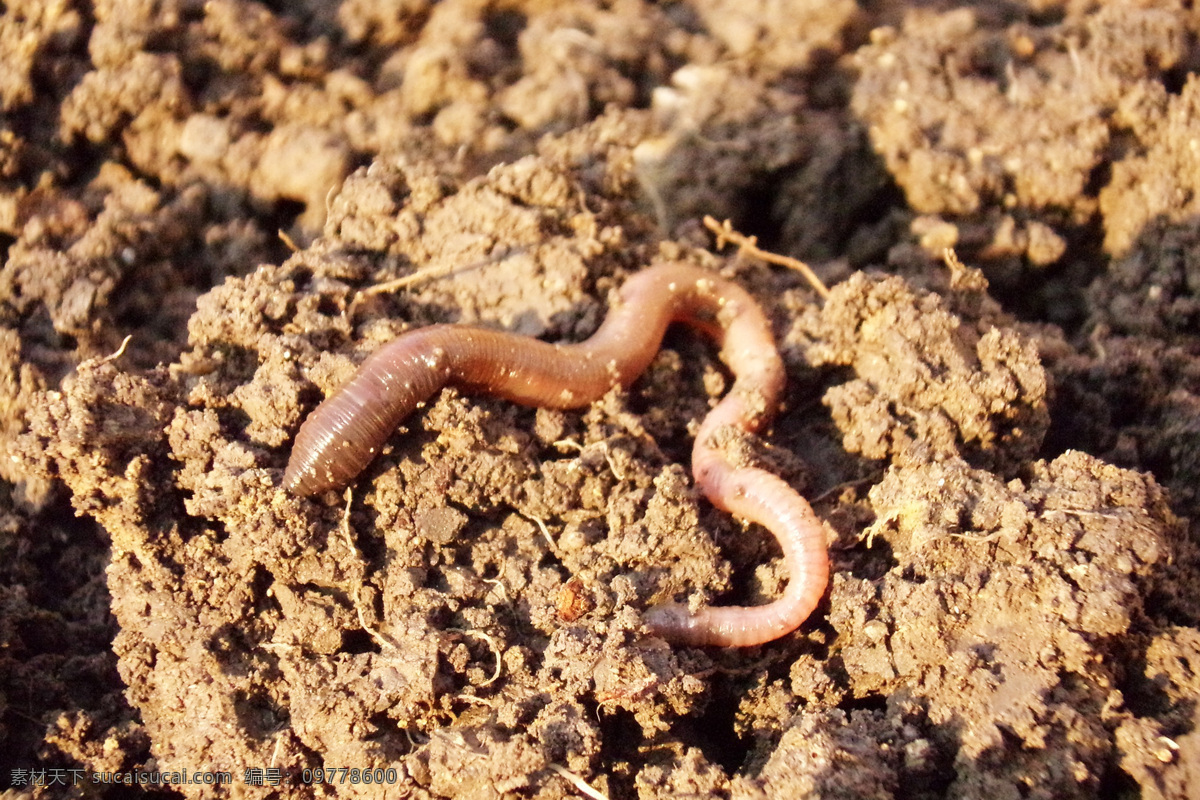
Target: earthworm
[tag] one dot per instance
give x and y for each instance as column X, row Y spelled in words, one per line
column 342, row 436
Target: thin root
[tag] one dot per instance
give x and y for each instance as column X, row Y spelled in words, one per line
column 120, row 351
column 431, row 272
column 749, row 245
column 383, row 641
column 541, row 523
column 288, row 242
column 578, row 782
column 495, row 648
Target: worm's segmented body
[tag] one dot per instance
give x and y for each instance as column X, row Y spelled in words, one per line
column 343, row 435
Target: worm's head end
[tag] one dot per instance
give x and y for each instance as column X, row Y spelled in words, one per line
column 290, row 479
column 300, row 480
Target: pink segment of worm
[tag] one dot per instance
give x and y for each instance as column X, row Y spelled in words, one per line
column 343, row 435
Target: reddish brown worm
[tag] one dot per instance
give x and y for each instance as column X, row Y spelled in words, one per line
column 343, row 435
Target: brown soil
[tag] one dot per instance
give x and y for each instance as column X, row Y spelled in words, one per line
column 1007, row 454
